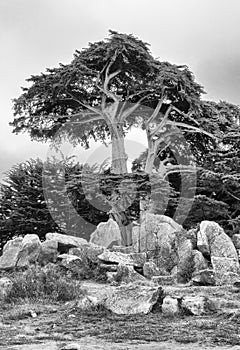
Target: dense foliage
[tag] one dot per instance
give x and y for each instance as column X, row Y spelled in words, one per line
column 107, row 88
column 24, row 207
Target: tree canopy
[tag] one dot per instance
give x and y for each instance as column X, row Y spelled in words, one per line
column 115, row 84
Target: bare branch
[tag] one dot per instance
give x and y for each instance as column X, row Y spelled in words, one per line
column 163, row 122
column 124, row 114
column 82, row 104
column 191, row 128
column 188, row 115
column 156, row 111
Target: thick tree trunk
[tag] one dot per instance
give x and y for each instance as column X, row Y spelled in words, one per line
column 119, row 156
column 119, row 166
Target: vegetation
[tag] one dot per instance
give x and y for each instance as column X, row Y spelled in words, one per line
column 49, row 283
column 109, row 87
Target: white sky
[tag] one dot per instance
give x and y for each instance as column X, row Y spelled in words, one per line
column 36, row 34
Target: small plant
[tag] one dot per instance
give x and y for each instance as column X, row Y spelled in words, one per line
column 40, row 283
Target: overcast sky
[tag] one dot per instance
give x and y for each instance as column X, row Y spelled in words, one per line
column 36, row 34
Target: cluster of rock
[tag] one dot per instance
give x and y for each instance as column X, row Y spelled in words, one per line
column 206, row 255
column 162, row 253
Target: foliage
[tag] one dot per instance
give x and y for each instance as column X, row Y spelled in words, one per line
column 39, row 283
column 24, row 208
column 119, row 69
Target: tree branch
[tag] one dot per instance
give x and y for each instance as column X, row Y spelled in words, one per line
column 156, row 111
column 160, row 126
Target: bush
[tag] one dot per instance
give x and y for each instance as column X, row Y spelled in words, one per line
column 44, row 283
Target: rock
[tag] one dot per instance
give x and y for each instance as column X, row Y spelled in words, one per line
column 87, row 302
column 236, row 240
column 202, row 243
column 48, row 252
column 136, row 239
column 5, row 287
column 72, row 346
column 220, row 244
column 152, row 232
column 121, row 249
column 192, row 235
column 150, row 269
column 170, row 306
column 106, row 234
column 134, row 259
column 133, row 298
column 30, row 250
column 199, row 262
column 88, row 251
column 98, row 292
column 70, row 261
column 164, row 280
column 224, row 257
column 204, row 278
column 185, row 261
column 65, row 242
column 197, row 305
column 127, row 274
column 11, row 249
column 156, row 236
column 165, row 249
column 226, row 270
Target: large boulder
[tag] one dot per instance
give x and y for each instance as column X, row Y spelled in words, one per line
column 133, row 298
column 134, row 259
column 30, row 250
column 11, row 250
column 106, row 234
column 185, row 263
column 156, row 235
column 218, row 242
column 5, row 287
column 65, row 242
column 166, row 254
column 226, row 270
column 224, row 257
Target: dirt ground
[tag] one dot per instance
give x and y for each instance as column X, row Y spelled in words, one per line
column 40, row 325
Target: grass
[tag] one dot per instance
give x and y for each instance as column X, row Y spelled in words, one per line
column 49, row 283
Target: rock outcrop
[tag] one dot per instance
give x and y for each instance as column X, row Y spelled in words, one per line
column 10, row 253
column 133, row 298
column 134, row 259
column 213, row 241
column 106, row 234
column 30, row 250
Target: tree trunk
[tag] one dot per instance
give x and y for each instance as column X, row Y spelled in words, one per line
column 149, row 162
column 119, row 156
column 119, row 166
